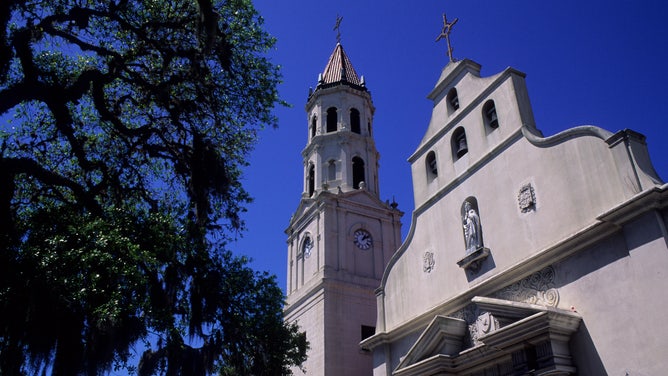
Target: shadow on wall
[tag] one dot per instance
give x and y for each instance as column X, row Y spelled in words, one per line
column 585, row 355
column 485, row 265
column 583, row 264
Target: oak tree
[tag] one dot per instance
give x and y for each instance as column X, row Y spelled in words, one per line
column 125, row 127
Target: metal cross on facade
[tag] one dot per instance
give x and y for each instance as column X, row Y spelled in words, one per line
column 445, row 34
column 337, row 28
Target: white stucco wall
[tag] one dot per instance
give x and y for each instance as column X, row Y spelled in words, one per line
column 606, row 269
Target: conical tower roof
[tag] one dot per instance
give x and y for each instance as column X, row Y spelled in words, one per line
column 339, row 69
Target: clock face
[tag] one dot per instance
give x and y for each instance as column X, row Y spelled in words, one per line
column 307, row 246
column 362, row 239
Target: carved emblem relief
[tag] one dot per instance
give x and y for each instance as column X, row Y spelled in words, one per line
column 479, row 323
column 428, row 262
column 527, row 198
column 538, row 288
column 484, row 324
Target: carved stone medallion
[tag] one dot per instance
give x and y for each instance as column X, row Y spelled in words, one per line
column 527, row 198
column 428, row 262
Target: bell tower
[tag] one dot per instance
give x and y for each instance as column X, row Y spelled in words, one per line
column 342, row 234
column 340, row 114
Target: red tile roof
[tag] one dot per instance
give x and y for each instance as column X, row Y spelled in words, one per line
column 339, row 66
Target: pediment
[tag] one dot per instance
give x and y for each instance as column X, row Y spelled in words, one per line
column 356, row 198
column 518, row 322
column 364, row 197
column 443, row 336
column 304, row 205
column 487, row 334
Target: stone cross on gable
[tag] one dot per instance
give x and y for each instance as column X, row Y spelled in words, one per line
column 445, row 34
column 337, row 28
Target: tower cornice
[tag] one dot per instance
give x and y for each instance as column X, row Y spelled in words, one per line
column 339, row 87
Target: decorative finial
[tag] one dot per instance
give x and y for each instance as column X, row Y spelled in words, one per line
column 445, row 34
column 394, row 204
column 337, row 28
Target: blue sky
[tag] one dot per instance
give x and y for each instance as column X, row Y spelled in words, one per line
column 587, row 63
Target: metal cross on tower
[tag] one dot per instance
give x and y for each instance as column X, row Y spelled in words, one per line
column 337, row 28
column 445, row 34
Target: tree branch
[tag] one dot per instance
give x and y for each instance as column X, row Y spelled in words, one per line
column 16, row 166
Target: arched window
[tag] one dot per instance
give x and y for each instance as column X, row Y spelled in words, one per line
column 314, row 123
column 453, row 100
column 368, row 128
column 458, row 143
column 331, row 170
column 489, row 114
column 331, row 120
column 355, row 121
column 358, row 172
column 311, row 180
column 430, row 162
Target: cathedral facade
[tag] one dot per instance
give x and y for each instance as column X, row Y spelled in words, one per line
column 526, row 255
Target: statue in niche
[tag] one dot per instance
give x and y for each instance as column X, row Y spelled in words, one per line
column 472, row 228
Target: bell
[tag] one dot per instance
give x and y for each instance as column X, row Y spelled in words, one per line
column 493, row 119
column 432, row 166
column 454, row 102
column 462, row 148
